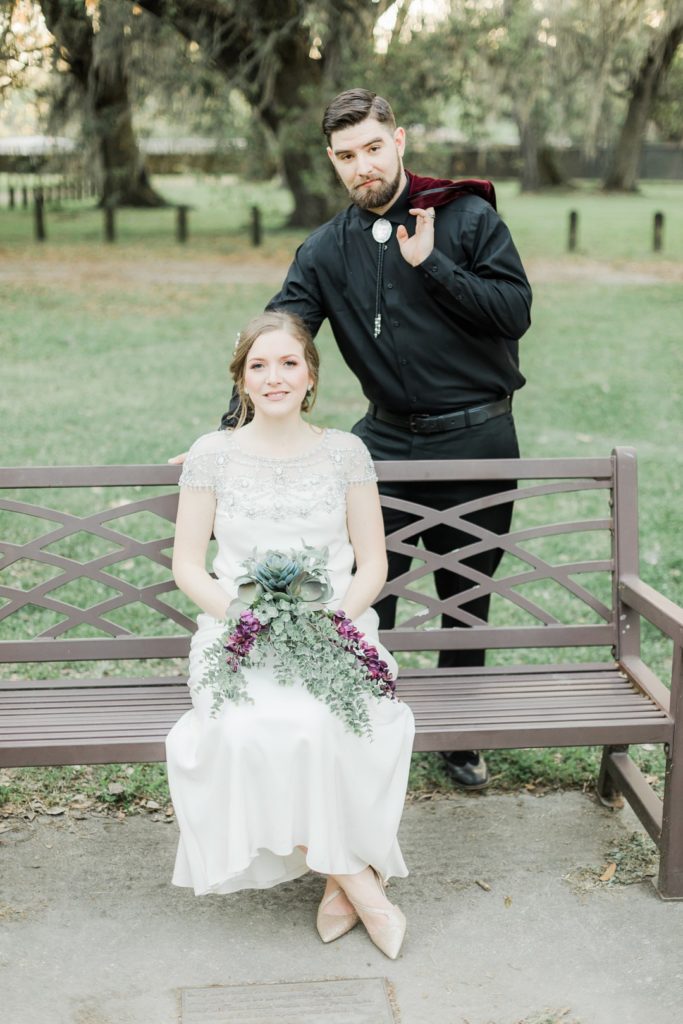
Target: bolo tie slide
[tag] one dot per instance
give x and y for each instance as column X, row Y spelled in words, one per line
column 381, row 232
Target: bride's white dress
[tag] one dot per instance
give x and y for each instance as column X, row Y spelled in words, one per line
column 252, row 784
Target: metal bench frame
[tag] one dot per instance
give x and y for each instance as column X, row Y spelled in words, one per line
column 611, row 703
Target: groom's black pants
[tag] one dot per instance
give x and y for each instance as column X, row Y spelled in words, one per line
column 494, row 439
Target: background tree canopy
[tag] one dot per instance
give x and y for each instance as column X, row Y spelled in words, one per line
column 541, row 73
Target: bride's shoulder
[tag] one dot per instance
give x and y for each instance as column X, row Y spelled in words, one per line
column 214, row 443
column 206, row 460
column 344, row 441
column 351, row 456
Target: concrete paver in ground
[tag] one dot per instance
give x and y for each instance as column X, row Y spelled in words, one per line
column 93, row 932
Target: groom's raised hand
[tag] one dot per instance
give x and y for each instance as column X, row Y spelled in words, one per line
column 416, row 248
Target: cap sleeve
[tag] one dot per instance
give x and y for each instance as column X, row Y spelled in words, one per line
column 202, row 463
column 359, row 465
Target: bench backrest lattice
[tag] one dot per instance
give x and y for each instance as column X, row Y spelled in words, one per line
column 585, row 513
column 528, row 593
column 114, row 490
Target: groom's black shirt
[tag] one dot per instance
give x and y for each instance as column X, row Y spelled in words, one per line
column 450, row 326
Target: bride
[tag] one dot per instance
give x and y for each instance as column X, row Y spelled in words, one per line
column 267, row 790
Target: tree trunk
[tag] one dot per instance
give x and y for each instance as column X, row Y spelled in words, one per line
column 124, row 180
column 622, row 174
column 97, row 62
column 312, row 206
column 529, row 178
column 523, row 75
column 539, row 167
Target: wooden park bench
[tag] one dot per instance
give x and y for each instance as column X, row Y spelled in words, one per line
column 564, row 625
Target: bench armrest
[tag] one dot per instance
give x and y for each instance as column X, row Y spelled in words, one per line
column 646, row 680
column 653, row 606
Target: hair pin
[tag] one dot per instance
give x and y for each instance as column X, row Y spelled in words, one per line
column 237, row 340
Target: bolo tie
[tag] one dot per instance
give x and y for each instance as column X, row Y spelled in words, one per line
column 381, row 232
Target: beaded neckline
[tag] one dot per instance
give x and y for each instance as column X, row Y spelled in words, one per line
column 281, row 459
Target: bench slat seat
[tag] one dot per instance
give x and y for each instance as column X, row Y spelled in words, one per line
column 452, row 709
column 516, row 708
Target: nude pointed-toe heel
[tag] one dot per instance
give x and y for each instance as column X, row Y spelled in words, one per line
column 387, row 934
column 333, row 926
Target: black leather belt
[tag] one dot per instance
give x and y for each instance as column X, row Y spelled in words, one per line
column 423, row 423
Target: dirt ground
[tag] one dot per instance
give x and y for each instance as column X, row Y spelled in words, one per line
column 81, row 268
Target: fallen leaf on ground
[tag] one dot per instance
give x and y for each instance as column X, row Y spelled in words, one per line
column 608, row 872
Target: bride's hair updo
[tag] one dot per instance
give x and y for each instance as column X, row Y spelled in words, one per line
column 276, row 320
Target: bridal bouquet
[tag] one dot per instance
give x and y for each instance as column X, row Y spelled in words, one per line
column 279, row 618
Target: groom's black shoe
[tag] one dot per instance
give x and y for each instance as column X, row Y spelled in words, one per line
column 466, row 768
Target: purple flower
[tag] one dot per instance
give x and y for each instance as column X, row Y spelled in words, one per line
column 367, row 655
column 346, row 628
column 388, row 689
column 242, row 639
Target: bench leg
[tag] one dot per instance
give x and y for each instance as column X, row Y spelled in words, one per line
column 606, row 789
column 670, row 881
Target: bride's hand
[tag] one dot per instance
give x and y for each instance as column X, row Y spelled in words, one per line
column 177, row 460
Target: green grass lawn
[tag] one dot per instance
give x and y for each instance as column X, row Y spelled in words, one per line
column 123, row 359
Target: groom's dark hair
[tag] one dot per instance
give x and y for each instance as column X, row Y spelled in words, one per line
column 352, row 107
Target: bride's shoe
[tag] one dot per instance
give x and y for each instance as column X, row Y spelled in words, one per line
column 386, row 928
column 333, row 926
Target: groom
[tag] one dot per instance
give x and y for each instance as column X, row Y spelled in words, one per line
column 427, row 299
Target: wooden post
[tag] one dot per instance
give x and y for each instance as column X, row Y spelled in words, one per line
column 24, row 197
column 658, row 233
column 39, row 215
column 109, row 223
column 181, row 223
column 573, row 230
column 12, row 201
column 256, row 232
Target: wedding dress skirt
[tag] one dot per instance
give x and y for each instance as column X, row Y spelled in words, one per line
column 258, row 780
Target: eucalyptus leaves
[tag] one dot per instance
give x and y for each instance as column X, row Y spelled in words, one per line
column 279, row 619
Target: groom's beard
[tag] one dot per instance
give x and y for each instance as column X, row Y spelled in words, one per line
column 377, row 195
